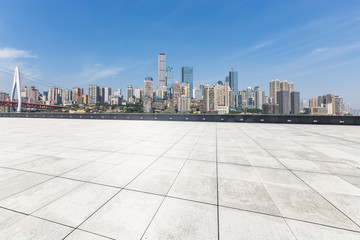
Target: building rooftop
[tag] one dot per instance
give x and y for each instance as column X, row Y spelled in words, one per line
column 104, row 179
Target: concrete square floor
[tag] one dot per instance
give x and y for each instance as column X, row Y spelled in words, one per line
column 111, row 179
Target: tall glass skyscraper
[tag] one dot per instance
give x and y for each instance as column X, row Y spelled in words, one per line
column 169, row 77
column 188, row 77
column 233, row 81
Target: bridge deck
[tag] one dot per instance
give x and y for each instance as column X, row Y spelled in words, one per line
column 84, row 179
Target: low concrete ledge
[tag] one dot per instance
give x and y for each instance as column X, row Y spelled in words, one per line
column 290, row 119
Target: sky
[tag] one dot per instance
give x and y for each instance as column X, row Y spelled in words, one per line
column 73, row 43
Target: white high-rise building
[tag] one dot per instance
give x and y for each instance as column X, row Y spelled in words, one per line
column 67, row 97
column 139, row 93
column 129, row 93
column 107, row 95
column 183, row 104
column 162, row 70
column 148, row 88
column 259, row 98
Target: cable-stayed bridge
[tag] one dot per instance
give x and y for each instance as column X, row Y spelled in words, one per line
column 17, row 105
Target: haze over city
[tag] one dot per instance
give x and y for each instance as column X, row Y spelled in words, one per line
column 314, row 44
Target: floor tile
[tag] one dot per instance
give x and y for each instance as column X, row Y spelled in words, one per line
column 243, row 225
column 76, row 206
column 34, row 228
column 180, row 219
column 126, row 216
column 245, row 195
column 195, row 187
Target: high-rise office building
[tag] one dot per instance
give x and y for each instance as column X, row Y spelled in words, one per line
column 177, row 90
column 162, row 70
column 183, row 104
column 169, row 77
column 107, row 95
column 274, row 88
column 129, row 93
column 283, row 101
column 295, row 102
column 220, row 95
column 55, row 95
column 77, row 92
column 233, row 80
column 208, row 98
column 259, row 98
column 67, row 95
column 327, row 100
column 94, row 95
column 313, row 102
column 185, row 89
column 339, row 104
column 223, row 98
column 187, row 76
column 139, row 93
column 101, row 94
column 249, row 98
column 148, row 87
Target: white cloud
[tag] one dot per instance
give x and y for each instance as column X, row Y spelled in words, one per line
column 12, row 53
column 99, row 72
column 261, row 45
column 319, row 50
column 334, row 51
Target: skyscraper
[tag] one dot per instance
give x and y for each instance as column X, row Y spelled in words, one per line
column 162, row 70
column 208, row 98
column 139, row 93
column 183, row 104
column 177, row 90
column 313, row 102
column 107, row 95
column 233, row 80
column 295, row 102
column 148, row 87
column 93, row 94
column 169, row 77
column 339, row 102
column 329, row 101
column 259, row 98
column 274, row 88
column 129, row 93
column 283, row 101
column 188, row 77
column 67, row 97
column 77, row 92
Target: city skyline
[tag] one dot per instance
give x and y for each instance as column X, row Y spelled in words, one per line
column 307, row 49
column 220, row 98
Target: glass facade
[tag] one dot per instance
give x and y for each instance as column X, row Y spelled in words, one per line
column 169, row 77
column 233, row 81
column 188, row 77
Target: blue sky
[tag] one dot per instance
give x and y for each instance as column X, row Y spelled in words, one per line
column 315, row 44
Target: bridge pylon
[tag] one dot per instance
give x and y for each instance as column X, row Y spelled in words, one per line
column 16, row 86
